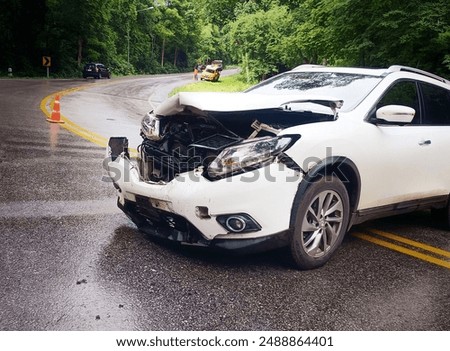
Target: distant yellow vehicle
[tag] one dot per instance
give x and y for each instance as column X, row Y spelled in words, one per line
column 211, row 73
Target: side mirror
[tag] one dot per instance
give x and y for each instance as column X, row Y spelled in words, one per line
column 396, row 114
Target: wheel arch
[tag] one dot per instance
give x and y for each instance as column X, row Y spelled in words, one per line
column 339, row 166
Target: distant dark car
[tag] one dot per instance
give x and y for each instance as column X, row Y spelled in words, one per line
column 96, row 70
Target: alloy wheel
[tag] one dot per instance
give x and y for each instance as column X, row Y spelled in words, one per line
column 322, row 223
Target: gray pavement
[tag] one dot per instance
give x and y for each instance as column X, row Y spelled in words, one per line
column 115, row 108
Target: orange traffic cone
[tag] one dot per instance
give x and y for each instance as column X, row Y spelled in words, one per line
column 56, row 113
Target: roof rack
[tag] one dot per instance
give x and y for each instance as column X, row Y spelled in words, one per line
column 397, row 68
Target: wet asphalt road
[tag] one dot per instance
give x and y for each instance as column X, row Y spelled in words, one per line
column 70, row 260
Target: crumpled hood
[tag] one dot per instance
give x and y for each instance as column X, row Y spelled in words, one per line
column 228, row 102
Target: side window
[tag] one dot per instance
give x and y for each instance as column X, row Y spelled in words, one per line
column 437, row 105
column 402, row 93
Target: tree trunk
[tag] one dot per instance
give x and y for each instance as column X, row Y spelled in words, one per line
column 80, row 51
column 175, row 59
column 162, row 52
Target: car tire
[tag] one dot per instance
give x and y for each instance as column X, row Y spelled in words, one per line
column 442, row 215
column 320, row 222
column 447, row 216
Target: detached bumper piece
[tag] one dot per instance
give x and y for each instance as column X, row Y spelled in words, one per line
column 166, row 225
column 117, row 145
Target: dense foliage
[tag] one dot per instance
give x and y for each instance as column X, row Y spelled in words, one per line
column 264, row 37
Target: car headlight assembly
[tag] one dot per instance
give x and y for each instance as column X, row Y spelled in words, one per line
column 249, row 155
column 151, row 127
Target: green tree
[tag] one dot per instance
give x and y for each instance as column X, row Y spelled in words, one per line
column 178, row 30
column 218, row 13
column 258, row 40
column 377, row 33
column 78, row 31
column 21, row 42
column 265, row 36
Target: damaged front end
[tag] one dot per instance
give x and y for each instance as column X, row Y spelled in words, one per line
column 179, row 187
column 183, row 143
column 179, row 144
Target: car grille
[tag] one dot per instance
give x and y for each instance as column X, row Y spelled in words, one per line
column 162, row 223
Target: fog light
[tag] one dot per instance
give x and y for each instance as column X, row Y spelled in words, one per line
column 235, row 224
column 238, row 223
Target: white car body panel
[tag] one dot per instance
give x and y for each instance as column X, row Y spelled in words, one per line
column 232, row 195
column 417, row 168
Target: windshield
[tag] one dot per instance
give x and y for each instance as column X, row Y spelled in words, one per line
column 352, row 88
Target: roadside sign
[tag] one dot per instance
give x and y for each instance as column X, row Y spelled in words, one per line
column 46, row 61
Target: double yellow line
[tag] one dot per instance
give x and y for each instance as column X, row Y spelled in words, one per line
column 406, row 246
column 46, row 106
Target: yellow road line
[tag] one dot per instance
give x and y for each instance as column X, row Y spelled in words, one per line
column 411, row 243
column 69, row 125
column 73, row 127
column 402, row 249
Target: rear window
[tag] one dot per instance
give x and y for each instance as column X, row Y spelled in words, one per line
column 437, row 105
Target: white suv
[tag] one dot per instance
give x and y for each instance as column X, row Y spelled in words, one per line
column 294, row 161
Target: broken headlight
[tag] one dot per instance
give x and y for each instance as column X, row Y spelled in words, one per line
column 151, row 127
column 249, row 155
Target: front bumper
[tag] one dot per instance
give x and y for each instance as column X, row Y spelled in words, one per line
column 171, row 210
column 183, row 232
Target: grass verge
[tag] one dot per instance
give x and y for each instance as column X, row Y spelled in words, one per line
column 234, row 83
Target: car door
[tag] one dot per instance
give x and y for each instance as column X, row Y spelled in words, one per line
column 399, row 160
column 436, row 135
column 101, row 70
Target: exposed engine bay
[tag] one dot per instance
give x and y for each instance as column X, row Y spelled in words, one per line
column 180, row 144
column 176, row 144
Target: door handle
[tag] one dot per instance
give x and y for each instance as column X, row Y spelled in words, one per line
column 425, row 142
